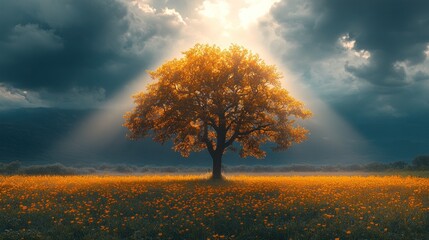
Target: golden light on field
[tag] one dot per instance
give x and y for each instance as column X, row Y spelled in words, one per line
column 244, row 207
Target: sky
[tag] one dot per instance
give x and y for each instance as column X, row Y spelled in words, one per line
column 69, row 67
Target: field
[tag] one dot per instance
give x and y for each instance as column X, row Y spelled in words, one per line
column 191, row 207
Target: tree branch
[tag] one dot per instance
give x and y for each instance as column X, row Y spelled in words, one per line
column 212, row 123
column 261, row 127
column 207, row 140
column 237, row 133
column 231, row 140
column 234, row 136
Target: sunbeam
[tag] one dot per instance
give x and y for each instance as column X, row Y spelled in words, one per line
column 223, row 23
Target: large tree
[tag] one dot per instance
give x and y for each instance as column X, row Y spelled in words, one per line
column 212, row 98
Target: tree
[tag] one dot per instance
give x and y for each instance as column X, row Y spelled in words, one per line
column 421, row 162
column 212, row 98
column 398, row 165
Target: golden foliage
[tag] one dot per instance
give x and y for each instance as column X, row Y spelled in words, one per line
column 211, row 98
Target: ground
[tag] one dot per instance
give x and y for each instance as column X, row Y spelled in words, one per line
column 191, row 207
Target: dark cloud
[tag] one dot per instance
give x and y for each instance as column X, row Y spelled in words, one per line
column 421, row 76
column 78, row 45
column 367, row 60
column 394, row 32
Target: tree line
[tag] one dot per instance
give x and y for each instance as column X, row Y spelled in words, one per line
column 420, row 163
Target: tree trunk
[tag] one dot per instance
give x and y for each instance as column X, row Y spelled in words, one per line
column 217, row 167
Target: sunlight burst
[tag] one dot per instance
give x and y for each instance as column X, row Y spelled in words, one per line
column 217, row 22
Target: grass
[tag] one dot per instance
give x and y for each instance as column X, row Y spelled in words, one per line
column 192, row 207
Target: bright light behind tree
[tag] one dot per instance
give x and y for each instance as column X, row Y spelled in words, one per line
column 222, row 23
column 214, row 99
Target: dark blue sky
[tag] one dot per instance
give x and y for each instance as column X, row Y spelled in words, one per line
column 361, row 66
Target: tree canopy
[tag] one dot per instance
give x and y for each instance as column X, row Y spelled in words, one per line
column 212, row 98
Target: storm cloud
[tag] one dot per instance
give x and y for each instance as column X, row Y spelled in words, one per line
column 391, row 37
column 79, row 47
column 368, row 60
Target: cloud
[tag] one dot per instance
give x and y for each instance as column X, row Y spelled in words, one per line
column 392, row 35
column 368, row 55
column 30, row 37
column 11, row 97
column 63, row 47
column 186, row 8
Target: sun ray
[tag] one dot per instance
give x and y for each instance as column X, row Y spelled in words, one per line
column 217, row 22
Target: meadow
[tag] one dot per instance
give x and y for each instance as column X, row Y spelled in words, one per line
column 191, row 207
